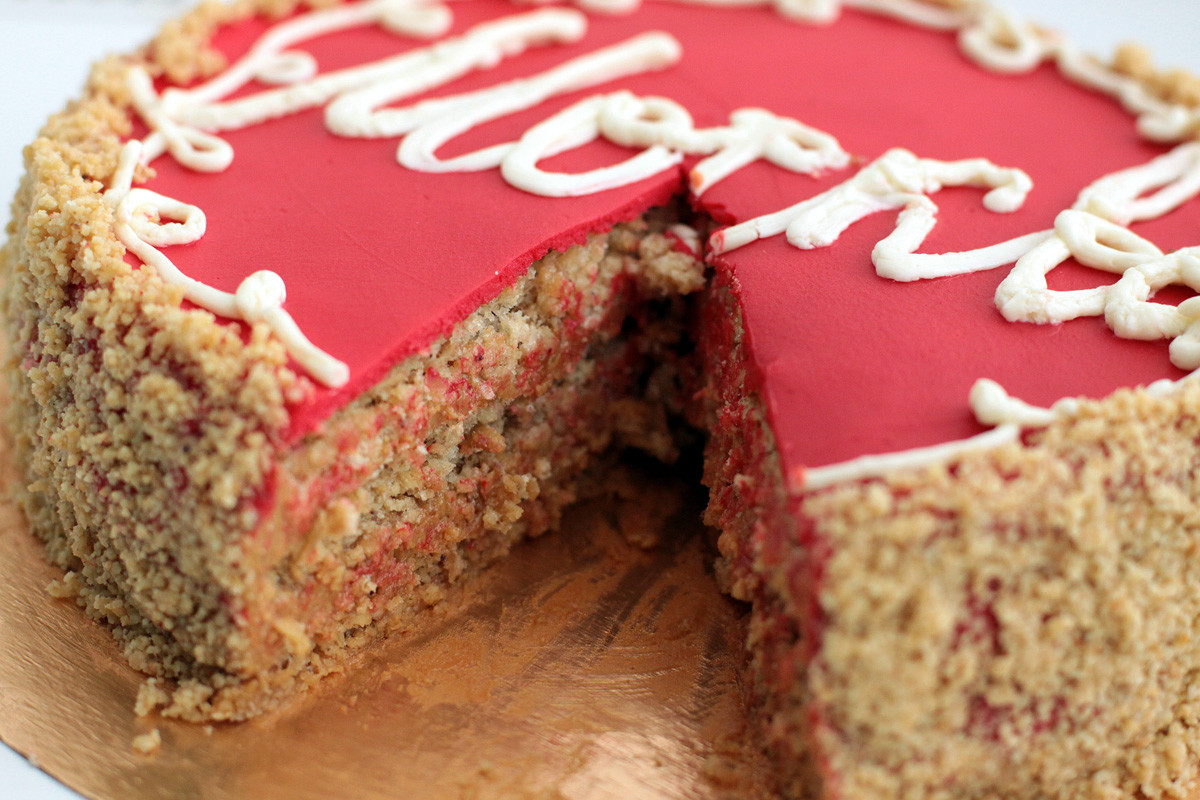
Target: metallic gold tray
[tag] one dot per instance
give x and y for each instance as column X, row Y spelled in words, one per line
column 580, row 667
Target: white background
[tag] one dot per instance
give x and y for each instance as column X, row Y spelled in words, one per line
column 47, row 45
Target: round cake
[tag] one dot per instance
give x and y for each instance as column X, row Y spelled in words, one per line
column 318, row 309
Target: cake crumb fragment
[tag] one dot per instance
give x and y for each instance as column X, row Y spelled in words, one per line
column 147, row 743
column 151, row 695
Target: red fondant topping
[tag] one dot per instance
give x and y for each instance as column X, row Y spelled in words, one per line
column 380, row 260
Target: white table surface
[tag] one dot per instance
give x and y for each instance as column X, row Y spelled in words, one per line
column 37, row 79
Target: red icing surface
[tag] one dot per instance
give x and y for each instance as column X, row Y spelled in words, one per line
column 379, row 260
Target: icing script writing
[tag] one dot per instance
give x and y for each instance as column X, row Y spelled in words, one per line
column 995, row 39
column 185, row 124
column 1094, row 232
column 363, row 102
column 358, row 100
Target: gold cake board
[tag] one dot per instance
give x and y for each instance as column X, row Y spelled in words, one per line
column 580, row 667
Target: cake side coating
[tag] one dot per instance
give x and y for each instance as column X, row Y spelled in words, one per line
column 1018, row 623
column 457, row 455
column 137, row 420
column 1013, row 623
column 750, row 505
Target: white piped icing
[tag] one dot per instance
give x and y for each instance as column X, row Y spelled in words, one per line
column 1094, row 233
column 579, row 123
column 139, row 215
column 992, row 406
column 896, row 180
column 664, row 128
column 436, row 122
column 184, row 122
column 360, row 102
column 874, row 466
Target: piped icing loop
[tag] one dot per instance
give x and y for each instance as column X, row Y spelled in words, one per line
column 580, row 123
column 1147, row 191
column 357, row 110
column 633, row 121
column 896, row 180
column 1002, row 42
column 139, row 215
column 755, row 133
column 420, row 19
column 1129, row 311
column 1096, row 235
column 1024, row 294
column 666, row 130
column 1098, row 243
column 290, row 66
column 435, row 122
column 144, row 211
column 195, row 149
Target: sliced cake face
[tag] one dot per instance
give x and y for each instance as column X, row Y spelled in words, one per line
column 852, row 363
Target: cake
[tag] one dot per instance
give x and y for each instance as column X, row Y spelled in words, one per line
column 315, row 312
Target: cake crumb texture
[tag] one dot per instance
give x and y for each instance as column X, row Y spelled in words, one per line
column 147, row 743
column 1019, row 623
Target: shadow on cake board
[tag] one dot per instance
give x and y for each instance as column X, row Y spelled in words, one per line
column 580, row 667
